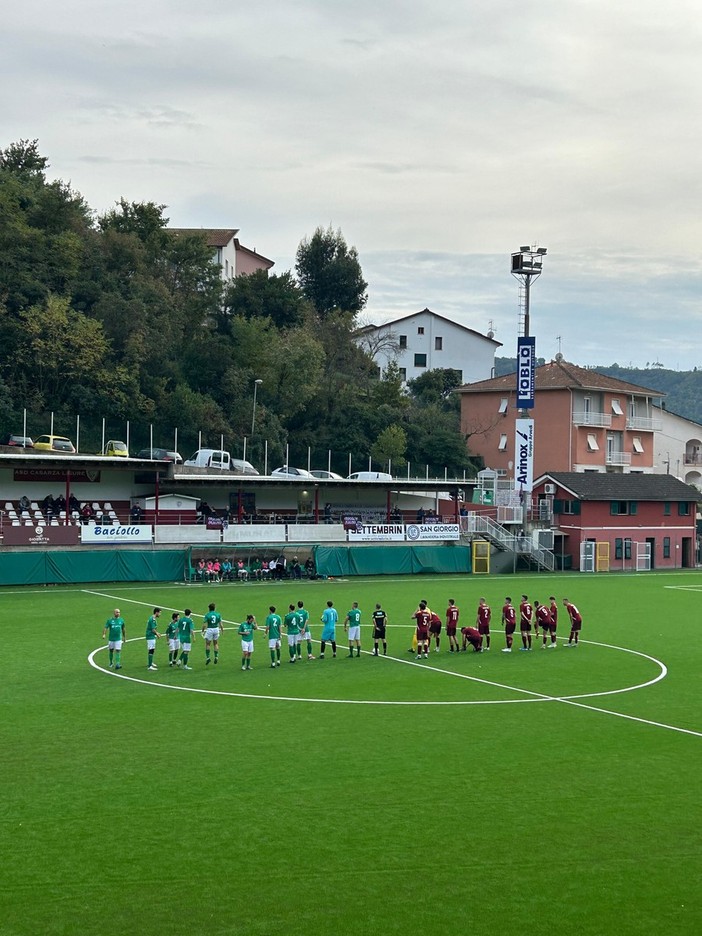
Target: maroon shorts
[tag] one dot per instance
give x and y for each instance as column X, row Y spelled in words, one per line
column 525, row 627
column 451, row 630
column 435, row 628
column 422, row 634
column 510, row 628
column 576, row 625
column 483, row 629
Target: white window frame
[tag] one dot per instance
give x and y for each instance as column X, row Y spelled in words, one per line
column 638, row 445
column 504, row 403
column 617, row 408
column 502, row 447
column 592, row 443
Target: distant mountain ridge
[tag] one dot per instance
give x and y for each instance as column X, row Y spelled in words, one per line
column 682, row 389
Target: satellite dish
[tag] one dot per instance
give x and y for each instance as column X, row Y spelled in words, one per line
column 559, row 357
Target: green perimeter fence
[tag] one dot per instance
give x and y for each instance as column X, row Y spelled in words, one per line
column 53, row 567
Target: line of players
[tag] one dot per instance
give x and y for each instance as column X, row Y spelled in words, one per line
column 539, row 616
column 180, row 631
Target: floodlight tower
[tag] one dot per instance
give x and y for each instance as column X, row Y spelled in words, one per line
column 526, row 267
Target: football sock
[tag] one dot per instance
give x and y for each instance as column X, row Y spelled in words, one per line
column 323, row 645
column 111, row 654
column 272, row 656
column 207, row 654
column 309, row 648
column 118, row 657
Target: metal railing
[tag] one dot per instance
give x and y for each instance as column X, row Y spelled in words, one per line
column 618, row 458
column 582, row 418
column 644, row 422
column 521, row 545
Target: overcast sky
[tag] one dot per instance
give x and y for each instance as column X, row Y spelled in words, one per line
column 439, row 137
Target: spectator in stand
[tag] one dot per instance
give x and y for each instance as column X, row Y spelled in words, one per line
column 135, row 514
column 421, row 514
column 47, row 506
column 327, row 513
column 296, row 568
column 59, row 504
column 396, row 516
column 73, row 505
column 24, row 502
column 86, row 513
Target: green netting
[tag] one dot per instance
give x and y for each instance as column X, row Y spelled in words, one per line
column 102, row 565
column 390, row 560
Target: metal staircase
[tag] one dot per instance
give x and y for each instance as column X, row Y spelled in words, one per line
column 480, row 525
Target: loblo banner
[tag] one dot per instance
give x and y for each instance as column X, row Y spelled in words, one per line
column 526, row 372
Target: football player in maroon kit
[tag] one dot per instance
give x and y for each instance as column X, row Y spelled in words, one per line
column 576, row 622
column 553, row 608
column 526, row 613
column 434, row 629
column 452, row 613
column 423, row 617
column 543, row 621
column 509, row 619
column 483, row 621
column 472, row 636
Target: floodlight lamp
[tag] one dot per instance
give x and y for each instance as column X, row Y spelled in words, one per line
column 525, row 249
column 541, row 250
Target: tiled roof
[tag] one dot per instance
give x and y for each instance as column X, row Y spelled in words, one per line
column 605, row 486
column 216, row 237
column 442, row 318
column 562, row 375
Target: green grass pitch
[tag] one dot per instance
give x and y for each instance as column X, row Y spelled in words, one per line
column 538, row 798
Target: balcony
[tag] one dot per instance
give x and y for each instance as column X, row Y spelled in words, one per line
column 645, row 423
column 618, row 458
column 601, row 420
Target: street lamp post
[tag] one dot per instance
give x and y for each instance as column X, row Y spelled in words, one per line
column 257, row 384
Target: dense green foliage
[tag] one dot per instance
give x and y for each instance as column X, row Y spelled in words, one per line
column 118, row 318
column 248, row 808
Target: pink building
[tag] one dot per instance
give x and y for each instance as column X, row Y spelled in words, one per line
column 620, row 519
column 230, row 255
column 583, row 421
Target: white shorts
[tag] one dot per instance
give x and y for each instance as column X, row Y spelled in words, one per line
column 185, row 647
column 273, row 643
column 114, row 645
column 212, row 633
column 151, row 644
column 247, row 646
column 306, row 636
column 173, row 643
column 355, row 632
column 293, row 640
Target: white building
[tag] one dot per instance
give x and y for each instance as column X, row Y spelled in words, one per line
column 425, row 341
column 678, row 448
column 231, row 256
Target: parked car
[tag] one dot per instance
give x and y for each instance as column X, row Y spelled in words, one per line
column 160, row 454
column 18, row 441
column 209, row 458
column 114, row 448
column 328, row 475
column 287, row 471
column 243, row 467
column 370, row 476
column 54, row 443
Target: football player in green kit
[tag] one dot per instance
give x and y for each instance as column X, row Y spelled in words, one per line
column 116, row 634
column 151, row 635
column 352, row 624
column 273, row 629
column 211, row 628
column 246, row 632
column 186, row 635
column 173, row 641
column 305, row 634
column 292, row 626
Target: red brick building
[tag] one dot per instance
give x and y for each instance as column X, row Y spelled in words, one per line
column 625, row 516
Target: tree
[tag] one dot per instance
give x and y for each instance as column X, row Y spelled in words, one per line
column 330, row 274
column 260, row 295
column 390, row 446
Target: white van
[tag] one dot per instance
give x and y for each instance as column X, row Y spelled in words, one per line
column 370, row 476
column 209, row 458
